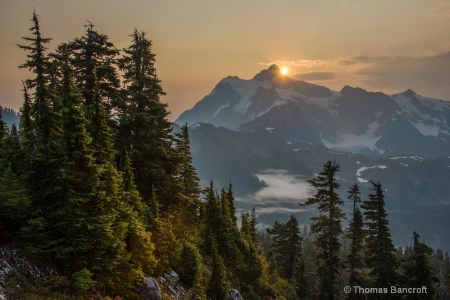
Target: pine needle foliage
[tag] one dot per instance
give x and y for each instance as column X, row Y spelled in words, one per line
column 356, row 234
column 380, row 252
column 328, row 228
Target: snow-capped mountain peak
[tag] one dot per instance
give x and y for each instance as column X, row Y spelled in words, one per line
column 353, row 119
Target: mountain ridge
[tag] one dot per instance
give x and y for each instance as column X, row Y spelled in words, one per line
column 352, row 119
column 268, row 139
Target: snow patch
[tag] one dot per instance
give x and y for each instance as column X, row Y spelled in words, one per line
column 427, row 129
column 362, row 169
column 413, row 157
column 246, row 89
column 220, row 109
column 354, row 143
column 195, row 126
column 435, row 124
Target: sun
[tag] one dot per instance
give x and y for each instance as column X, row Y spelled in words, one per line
column 284, row 70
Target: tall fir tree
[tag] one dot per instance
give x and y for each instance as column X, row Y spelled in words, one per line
column 380, row 255
column 83, row 214
column 355, row 233
column 46, row 120
column 231, row 205
column 249, row 225
column 26, row 125
column 213, row 222
column 93, row 57
column 192, row 271
column 218, row 284
column 143, row 127
column 14, row 200
column 286, row 247
column 41, row 135
column 417, row 271
column 99, row 127
column 190, row 186
column 141, row 260
column 328, row 228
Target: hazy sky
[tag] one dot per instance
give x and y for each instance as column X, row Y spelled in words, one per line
column 382, row 45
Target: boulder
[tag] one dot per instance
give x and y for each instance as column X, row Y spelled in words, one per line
column 234, row 294
column 150, row 290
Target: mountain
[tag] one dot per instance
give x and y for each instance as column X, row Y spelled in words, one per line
column 352, row 120
column 268, row 135
column 9, row 116
column 235, row 101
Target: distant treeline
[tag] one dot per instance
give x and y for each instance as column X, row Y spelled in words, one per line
column 10, row 110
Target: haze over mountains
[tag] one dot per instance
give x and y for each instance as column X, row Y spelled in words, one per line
column 353, row 119
column 271, row 133
column 10, row 117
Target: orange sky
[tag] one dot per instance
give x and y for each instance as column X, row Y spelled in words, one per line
column 381, row 45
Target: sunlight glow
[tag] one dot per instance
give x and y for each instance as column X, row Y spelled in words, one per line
column 284, row 70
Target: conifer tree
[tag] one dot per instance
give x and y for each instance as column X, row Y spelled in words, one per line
column 356, row 235
column 212, row 217
column 9, row 148
column 191, row 271
column 26, row 124
column 328, row 228
column 130, row 193
column 139, row 245
column 3, row 129
column 79, row 174
column 249, row 225
column 216, row 226
column 418, row 271
column 253, row 222
column 380, row 254
column 286, row 247
column 40, row 136
column 99, row 127
column 218, row 284
column 190, row 186
column 46, row 120
column 14, row 201
column 231, row 206
column 446, row 283
column 143, row 127
column 93, row 57
column 82, row 214
column 245, row 223
column 224, row 206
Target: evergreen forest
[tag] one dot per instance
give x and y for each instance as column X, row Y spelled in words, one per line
column 99, row 191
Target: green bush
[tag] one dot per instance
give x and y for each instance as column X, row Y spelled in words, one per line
column 83, row 280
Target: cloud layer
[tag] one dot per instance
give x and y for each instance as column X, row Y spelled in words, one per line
column 281, row 186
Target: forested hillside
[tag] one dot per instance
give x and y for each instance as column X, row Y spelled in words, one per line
column 99, row 191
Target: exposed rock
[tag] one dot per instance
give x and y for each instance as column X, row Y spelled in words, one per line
column 14, row 263
column 234, row 294
column 171, row 285
column 150, row 289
